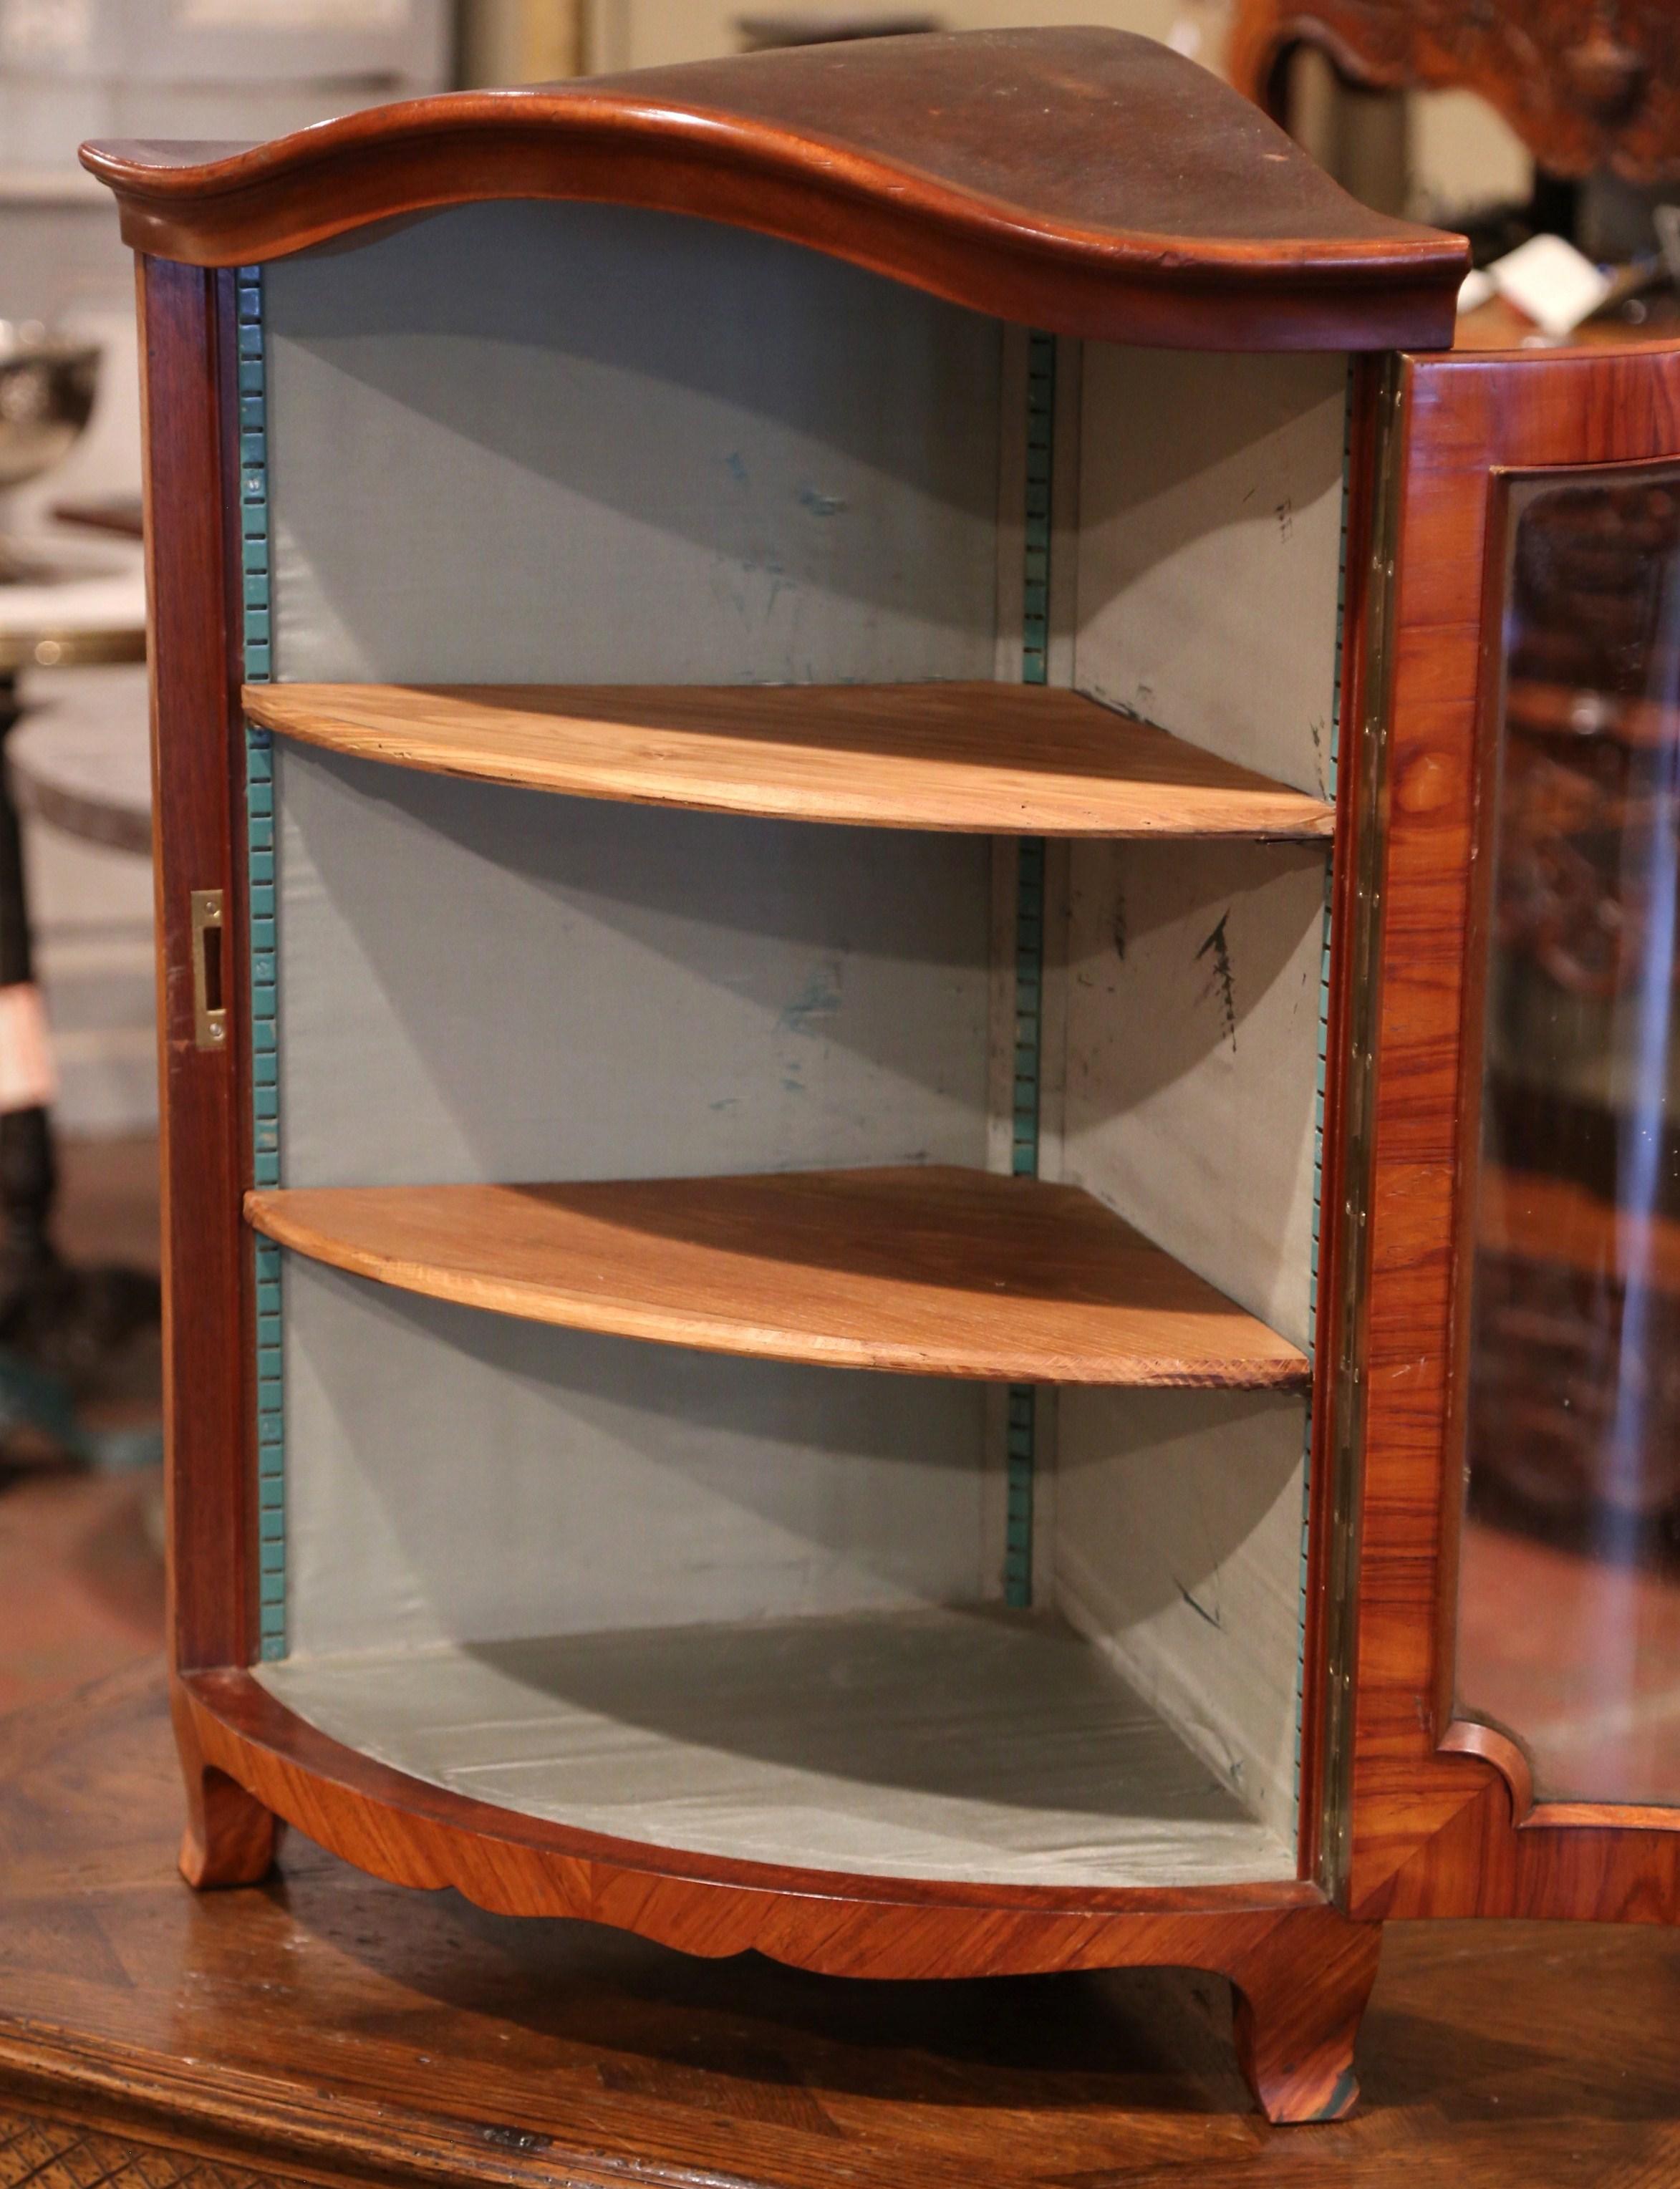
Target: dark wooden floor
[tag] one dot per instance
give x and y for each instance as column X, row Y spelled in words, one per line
column 328, row 2025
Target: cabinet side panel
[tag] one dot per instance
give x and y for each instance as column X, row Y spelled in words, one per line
column 581, row 444
column 1178, row 1552
column 1211, row 503
column 479, row 983
column 456, row 1476
column 187, row 348
column 1203, row 1134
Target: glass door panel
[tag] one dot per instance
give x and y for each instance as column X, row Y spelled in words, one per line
column 1568, row 1635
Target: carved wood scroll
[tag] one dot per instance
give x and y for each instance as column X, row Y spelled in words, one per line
column 1586, row 84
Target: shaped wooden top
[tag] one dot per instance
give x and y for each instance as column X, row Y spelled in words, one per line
column 1085, row 181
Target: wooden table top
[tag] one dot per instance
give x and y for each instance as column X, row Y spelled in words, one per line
column 328, row 2025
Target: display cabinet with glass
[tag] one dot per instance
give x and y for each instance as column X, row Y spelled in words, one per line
column 814, row 867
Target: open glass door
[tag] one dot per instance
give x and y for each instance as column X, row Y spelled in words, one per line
column 1512, row 1481
column 1568, row 1583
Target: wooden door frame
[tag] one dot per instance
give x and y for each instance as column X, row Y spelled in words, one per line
column 1442, row 1817
column 189, row 415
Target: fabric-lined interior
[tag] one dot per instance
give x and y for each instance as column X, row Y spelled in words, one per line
column 984, row 1745
column 735, row 1606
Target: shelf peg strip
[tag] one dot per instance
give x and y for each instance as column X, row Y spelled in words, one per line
column 255, row 583
column 1029, row 940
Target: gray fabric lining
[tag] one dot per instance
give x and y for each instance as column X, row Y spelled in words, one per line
column 986, row 1746
column 479, row 983
column 455, row 1477
column 611, row 446
column 1210, row 548
column 625, row 447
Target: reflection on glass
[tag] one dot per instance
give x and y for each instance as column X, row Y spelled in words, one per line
column 1569, row 1578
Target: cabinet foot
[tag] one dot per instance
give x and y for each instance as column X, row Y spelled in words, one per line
column 1300, row 1993
column 230, row 1837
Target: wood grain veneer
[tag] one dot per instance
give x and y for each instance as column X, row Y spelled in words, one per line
column 932, row 1271
column 1085, row 181
column 1001, row 758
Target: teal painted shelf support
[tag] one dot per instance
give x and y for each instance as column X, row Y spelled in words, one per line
column 1029, row 936
column 1333, row 756
column 257, row 581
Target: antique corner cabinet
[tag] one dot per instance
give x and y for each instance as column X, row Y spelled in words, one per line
column 828, row 737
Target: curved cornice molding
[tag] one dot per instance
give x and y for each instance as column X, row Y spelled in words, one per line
column 1085, row 181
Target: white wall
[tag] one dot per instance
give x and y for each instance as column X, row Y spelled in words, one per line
column 1463, row 156
column 640, row 33
column 71, row 68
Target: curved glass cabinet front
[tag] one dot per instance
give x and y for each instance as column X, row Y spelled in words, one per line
column 1569, row 1631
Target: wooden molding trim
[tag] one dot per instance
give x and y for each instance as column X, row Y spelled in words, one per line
column 1467, row 1737
column 1085, row 181
column 1506, row 1753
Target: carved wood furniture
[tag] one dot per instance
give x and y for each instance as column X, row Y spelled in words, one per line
column 1587, row 84
column 818, row 772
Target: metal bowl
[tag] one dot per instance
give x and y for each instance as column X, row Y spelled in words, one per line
column 47, row 384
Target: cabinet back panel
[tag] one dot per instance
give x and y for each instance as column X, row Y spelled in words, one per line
column 1178, row 1551
column 580, row 443
column 1192, row 1015
column 478, row 983
column 1210, row 516
column 456, row 1476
